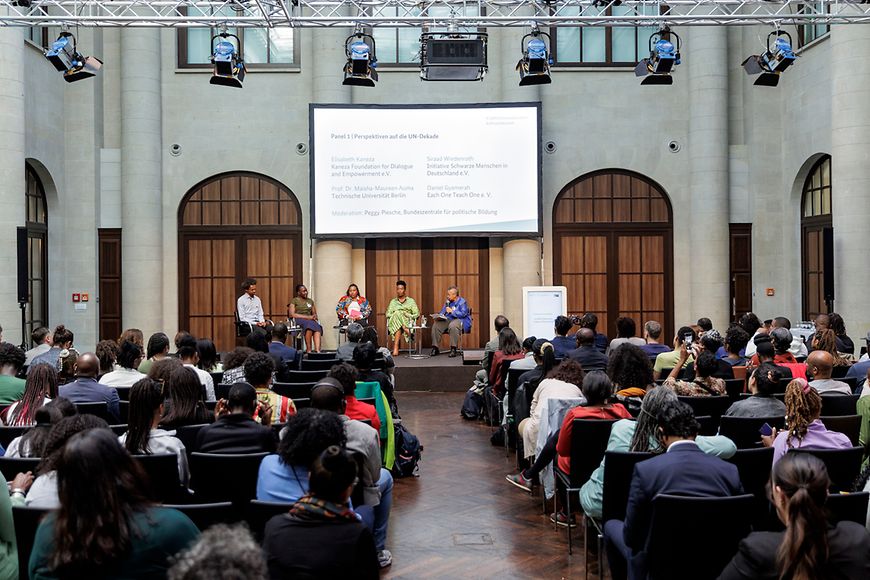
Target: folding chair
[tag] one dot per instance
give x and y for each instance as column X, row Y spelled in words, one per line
column 162, row 470
column 837, row 404
column 848, row 507
column 26, row 521
column 843, row 465
column 708, row 406
column 745, row 432
column 848, row 425
column 218, row 477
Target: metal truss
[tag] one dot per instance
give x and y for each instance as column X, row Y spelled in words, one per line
column 431, row 14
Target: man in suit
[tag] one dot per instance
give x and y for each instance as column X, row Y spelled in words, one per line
column 235, row 431
column 682, row 470
column 86, row 389
column 589, row 357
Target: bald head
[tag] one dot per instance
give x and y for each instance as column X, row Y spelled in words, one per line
column 87, row 365
column 585, row 337
column 821, row 364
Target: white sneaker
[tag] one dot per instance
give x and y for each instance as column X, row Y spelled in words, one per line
column 385, row 558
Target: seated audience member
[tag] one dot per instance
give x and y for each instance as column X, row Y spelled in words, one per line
column 682, row 470
column 765, row 353
column 62, row 339
column 364, row 359
column 278, row 346
column 545, row 361
column 189, row 356
column 135, row 336
column 845, row 345
column 710, row 341
column 43, row 492
column 803, row 406
column 131, row 538
column 39, row 389
column 346, row 375
column 563, row 382
column 259, row 368
column 797, row 348
column 43, row 339
column 12, row 492
column 143, row 436
column 526, row 363
column 781, row 338
column 125, row 373
column 185, row 406
column 641, row 435
column 259, row 342
column 234, row 365
column 597, row 390
column 86, row 389
column 753, row 327
column 820, row 364
column 859, row 372
column 370, row 334
column 283, row 477
column 736, row 340
column 32, row 443
column 810, row 546
column 704, row 384
column 652, row 335
column 589, row 357
column 590, row 321
column 509, row 349
column 481, row 378
column 208, row 356
column 234, row 430
column 11, row 362
column 626, row 329
column 222, row 552
column 826, row 340
column 107, row 352
column 364, row 442
column 157, row 349
column 180, row 338
column 705, row 324
column 630, row 370
column 66, row 372
column 354, row 333
column 327, row 538
column 562, row 343
column 821, row 322
column 162, row 369
column 668, row 360
column 764, row 381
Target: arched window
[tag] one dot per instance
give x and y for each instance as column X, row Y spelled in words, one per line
column 36, row 212
column 233, row 226
column 817, row 241
column 612, row 240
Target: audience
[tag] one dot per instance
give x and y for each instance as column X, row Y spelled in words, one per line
column 189, row 356
column 62, row 339
column 130, row 538
column 590, row 321
column 820, row 364
column 370, row 334
column 185, row 405
column 826, row 340
column 711, row 342
column 32, row 443
column 782, row 341
column 222, row 552
column 668, row 360
column 562, row 343
column 763, row 383
column 796, row 347
column 234, row 430
column 364, row 359
column 9, row 563
column 630, row 370
column 527, row 383
column 736, row 339
column 161, row 370
column 143, row 436
column 563, row 382
column 765, row 353
column 354, row 334
column 325, row 536
column 278, row 346
column 39, row 389
column 626, row 329
column 11, row 362
column 208, row 357
column 753, row 327
column 259, row 368
column 703, row 384
column 346, row 376
column 652, row 335
column 125, row 373
column 845, row 344
column 66, row 370
column 107, row 352
column 810, row 547
column 526, row 363
column 586, row 353
column 234, row 365
column 508, row 349
column 259, row 342
column 500, row 322
column 86, row 389
column 705, row 325
column 135, row 336
column 158, row 349
column 859, row 372
column 42, row 338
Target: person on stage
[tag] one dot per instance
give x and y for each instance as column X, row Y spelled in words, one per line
column 401, row 311
column 249, row 306
column 303, row 310
column 454, row 319
column 353, row 307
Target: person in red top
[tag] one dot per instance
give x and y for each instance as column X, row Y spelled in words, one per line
column 509, row 348
column 781, row 339
column 344, row 376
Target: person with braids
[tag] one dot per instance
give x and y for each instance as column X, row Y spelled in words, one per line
column 640, row 435
column 158, row 349
column 764, row 381
column 143, row 436
column 563, row 382
column 39, row 389
column 32, row 443
column 106, row 526
column 11, row 360
column 803, row 406
column 810, row 547
column 826, row 340
column 186, row 406
column 107, row 352
column 322, row 537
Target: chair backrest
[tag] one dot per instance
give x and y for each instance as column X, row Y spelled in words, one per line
column 618, row 470
column 318, row 365
column 780, row 396
column 735, row 386
column 205, row 515
column 222, row 391
column 739, row 372
column 187, row 435
column 99, row 409
column 708, row 406
column 225, row 477
column 745, row 431
column 836, row 404
column 119, row 429
column 162, row 470
column 302, row 403
column 672, row 553
column 843, row 465
column 848, row 507
column 12, row 466
column 243, row 329
column 123, row 411
column 293, row 390
column 325, row 355
column 123, row 393
column 26, row 520
column 754, row 465
column 512, row 382
column 851, row 381
column 258, row 514
column 7, row 434
column 305, row 376
column 216, row 378
column 368, row 400
column 709, row 425
column 848, row 425
column 588, row 443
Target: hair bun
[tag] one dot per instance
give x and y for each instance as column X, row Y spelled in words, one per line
column 60, row 328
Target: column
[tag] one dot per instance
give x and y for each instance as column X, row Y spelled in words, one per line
column 332, row 272
column 522, row 267
column 141, row 180
column 706, row 55
column 12, row 183
column 850, row 173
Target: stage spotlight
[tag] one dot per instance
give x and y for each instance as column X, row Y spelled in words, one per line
column 229, row 67
column 68, row 60
column 534, row 67
column 664, row 55
column 770, row 64
column 361, row 61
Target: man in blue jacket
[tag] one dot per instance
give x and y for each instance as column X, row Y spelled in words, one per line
column 456, row 320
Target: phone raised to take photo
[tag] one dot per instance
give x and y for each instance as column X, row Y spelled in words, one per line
column 766, row 430
column 687, row 339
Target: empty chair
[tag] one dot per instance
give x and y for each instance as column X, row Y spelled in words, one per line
column 162, row 470
column 26, row 521
column 258, row 513
column 708, row 406
column 843, row 465
column 318, row 365
column 848, row 507
column 205, row 515
column 848, row 425
column 293, row 390
column 305, row 376
column 745, row 431
column 225, row 477
column 12, row 466
column 834, row 405
column 7, row 434
column 99, row 409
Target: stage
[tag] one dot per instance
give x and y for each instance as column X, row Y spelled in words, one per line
column 440, row 373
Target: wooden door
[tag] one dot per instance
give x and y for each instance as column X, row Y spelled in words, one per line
column 212, row 290
column 641, row 277
column 741, row 269
column 464, row 263
column 387, row 261
column 109, row 292
column 584, row 272
column 271, row 263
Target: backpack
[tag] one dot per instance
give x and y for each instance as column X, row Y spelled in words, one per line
column 408, row 453
column 472, row 405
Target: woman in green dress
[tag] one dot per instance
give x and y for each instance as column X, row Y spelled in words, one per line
column 401, row 312
column 303, row 310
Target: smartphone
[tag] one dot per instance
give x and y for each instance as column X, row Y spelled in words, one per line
column 766, row 430
column 688, row 340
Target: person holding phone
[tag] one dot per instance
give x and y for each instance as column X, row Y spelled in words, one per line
column 668, row 360
column 235, row 430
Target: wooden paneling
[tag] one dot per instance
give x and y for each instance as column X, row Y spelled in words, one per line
column 814, row 266
column 109, row 241
column 741, row 269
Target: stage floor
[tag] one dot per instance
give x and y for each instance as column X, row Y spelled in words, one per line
column 440, row 373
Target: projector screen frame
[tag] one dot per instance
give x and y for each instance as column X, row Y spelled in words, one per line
column 539, row 161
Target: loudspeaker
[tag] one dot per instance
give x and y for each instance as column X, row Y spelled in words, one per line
column 828, row 264
column 23, row 294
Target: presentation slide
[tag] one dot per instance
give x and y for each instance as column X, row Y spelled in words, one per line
column 421, row 169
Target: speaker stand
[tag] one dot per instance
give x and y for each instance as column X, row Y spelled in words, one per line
column 23, row 306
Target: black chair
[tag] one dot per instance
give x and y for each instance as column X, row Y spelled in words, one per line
column 851, row 381
column 328, row 355
column 673, row 554
column 243, row 329
column 205, row 515
column 664, row 373
column 618, row 470
column 277, row 428
column 303, row 403
column 7, row 434
column 258, row 513
column 318, row 365
column 12, row 466
column 305, row 376
column 225, row 477
column 708, row 406
column 368, row 401
column 123, row 411
column 780, row 396
column 293, row 390
column 745, row 431
column 843, row 465
column 123, row 393
column 848, row 507
column 709, row 425
column 26, row 520
column 588, row 443
column 734, row 387
column 834, row 405
column 187, row 435
column 162, row 470
column 848, row 425
column 222, row 391
column 217, row 377
column 101, row 410
column 118, row 429
column 754, row 466
column 210, row 405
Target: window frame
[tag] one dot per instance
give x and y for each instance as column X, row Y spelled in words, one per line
column 36, row 229
column 608, row 46
column 802, row 28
